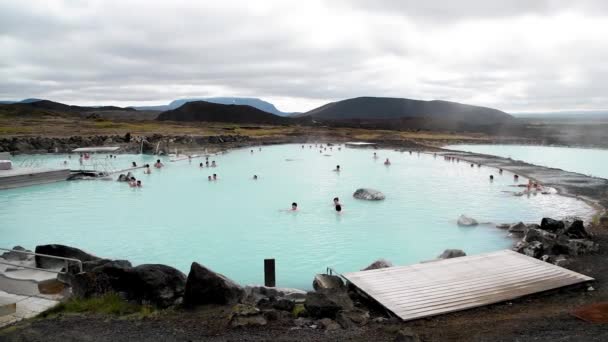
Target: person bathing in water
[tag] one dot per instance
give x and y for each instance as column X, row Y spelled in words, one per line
column 214, row 177
column 294, row 206
column 375, row 155
column 158, row 164
column 387, row 162
column 255, row 177
column 147, row 171
column 209, row 178
column 213, row 163
column 337, row 169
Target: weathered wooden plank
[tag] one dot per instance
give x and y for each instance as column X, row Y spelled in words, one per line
column 443, row 286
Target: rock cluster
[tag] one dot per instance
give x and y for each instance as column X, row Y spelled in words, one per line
column 128, row 143
column 554, row 240
column 466, row 221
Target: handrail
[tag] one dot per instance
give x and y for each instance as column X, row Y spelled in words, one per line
column 78, row 262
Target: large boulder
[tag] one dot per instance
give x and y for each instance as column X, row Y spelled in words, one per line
column 547, row 239
column 155, row 284
column 60, row 251
column 576, row 230
column 326, row 282
column 466, row 221
column 534, row 249
column 207, row 287
column 368, row 194
column 327, row 303
column 518, row 228
column 452, row 253
column 551, row 225
column 380, row 263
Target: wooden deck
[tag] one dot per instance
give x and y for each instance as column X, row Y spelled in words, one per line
column 443, row 286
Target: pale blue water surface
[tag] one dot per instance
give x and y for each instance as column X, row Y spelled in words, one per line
column 232, row 224
column 588, row 161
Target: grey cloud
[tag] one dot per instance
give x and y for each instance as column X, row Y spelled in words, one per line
column 138, row 51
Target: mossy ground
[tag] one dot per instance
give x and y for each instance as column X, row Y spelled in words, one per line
column 108, row 304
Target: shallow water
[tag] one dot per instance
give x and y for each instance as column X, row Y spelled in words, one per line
column 232, row 224
column 587, row 161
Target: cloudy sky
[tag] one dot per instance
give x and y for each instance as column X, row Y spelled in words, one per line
column 517, row 55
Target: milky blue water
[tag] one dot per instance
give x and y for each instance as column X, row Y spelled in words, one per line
column 232, row 224
column 587, row 161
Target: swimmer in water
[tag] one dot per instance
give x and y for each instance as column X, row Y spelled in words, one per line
column 255, row 177
column 139, row 184
column 338, row 208
column 516, row 177
column 147, row 170
column 207, row 163
column 251, row 151
column 201, row 165
column 491, row 178
column 158, row 164
column 336, row 201
column 134, row 164
column 209, row 178
column 387, row 162
column 294, row 206
column 214, row 176
column 375, row 156
column 500, row 171
column 337, row 169
column 213, row 163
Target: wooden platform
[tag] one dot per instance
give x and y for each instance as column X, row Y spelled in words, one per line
column 19, row 177
column 443, row 286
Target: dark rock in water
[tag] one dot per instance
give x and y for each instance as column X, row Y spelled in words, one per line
column 452, row 253
column 159, row 285
column 369, row 194
column 349, row 319
column 518, row 228
column 16, row 256
column 547, row 239
column 207, row 287
column 380, row 263
column 326, row 281
column 576, row 230
column 503, row 226
column 534, row 249
column 60, row 251
column 466, row 221
column 327, row 303
column 551, row 225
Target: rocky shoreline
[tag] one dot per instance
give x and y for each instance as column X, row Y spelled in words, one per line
column 331, row 306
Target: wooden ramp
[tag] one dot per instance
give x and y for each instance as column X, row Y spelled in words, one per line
column 442, row 286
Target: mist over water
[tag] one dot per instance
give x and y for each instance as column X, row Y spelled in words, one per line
column 232, row 224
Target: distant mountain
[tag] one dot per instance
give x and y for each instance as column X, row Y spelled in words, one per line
column 45, row 107
column 214, row 112
column 22, row 101
column 245, row 101
column 399, row 113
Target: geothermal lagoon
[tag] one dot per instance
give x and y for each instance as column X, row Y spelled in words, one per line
column 232, row 224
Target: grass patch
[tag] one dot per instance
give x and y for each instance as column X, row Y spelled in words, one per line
column 108, row 304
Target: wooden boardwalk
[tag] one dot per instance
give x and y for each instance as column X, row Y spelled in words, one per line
column 442, row 286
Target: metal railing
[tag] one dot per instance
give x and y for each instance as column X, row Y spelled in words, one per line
column 65, row 260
